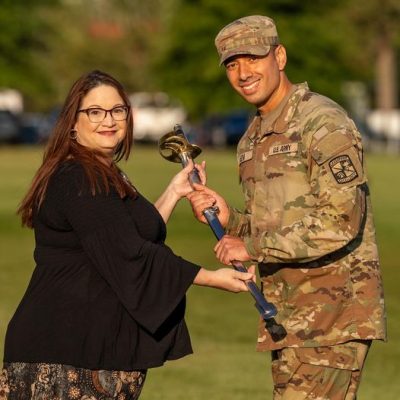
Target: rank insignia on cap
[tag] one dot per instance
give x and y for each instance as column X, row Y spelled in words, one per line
column 343, row 169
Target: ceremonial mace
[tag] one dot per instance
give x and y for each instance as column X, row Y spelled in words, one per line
column 175, row 147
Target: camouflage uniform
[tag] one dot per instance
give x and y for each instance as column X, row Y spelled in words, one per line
column 308, row 222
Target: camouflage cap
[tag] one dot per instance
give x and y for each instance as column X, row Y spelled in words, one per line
column 248, row 35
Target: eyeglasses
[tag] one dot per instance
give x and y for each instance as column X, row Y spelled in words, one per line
column 118, row 113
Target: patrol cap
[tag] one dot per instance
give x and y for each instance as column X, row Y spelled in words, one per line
column 252, row 35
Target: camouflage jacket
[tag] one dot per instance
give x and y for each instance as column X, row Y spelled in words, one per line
column 308, row 222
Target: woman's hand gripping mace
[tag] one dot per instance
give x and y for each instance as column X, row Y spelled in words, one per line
column 175, row 147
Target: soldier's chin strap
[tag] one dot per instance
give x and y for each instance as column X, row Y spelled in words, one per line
column 175, row 147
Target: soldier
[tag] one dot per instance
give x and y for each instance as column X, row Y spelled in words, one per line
column 307, row 220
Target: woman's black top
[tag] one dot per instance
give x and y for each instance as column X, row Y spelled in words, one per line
column 106, row 292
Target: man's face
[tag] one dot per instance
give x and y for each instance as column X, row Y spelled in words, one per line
column 257, row 78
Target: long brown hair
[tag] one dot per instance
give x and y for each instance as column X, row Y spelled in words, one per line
column 62, row 146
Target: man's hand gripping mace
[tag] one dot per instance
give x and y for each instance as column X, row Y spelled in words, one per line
column 175, row 147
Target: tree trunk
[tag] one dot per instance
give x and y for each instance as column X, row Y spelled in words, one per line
column 386, row 75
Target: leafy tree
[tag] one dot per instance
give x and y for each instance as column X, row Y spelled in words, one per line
column 46, row 45
column 22, row 38
column 169, row 44
column 115, row 36
column 187, row 62
column 326, row 43
column 376, row 34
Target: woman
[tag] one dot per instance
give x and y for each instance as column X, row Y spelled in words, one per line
column 107, row 298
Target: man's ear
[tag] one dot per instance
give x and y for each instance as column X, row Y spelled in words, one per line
column 280, row 56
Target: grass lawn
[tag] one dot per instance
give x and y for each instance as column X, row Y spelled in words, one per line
column 223, row 326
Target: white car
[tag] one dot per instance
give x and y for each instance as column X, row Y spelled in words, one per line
column 154, row 114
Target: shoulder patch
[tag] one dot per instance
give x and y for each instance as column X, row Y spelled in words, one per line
column 332, row 143
column 343, row 169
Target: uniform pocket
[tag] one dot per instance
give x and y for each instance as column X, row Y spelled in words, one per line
column 340, row 356
column 291, row 360
column 284, row 365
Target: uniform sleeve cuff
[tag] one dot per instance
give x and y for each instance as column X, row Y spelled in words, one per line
column 254, row 249
column 233, row 222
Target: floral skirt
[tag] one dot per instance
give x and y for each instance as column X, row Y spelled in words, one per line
column 30, row 381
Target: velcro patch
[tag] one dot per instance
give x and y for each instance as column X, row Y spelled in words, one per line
column 343, row 169
column 283, row 148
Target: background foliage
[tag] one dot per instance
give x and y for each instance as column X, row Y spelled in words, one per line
column 168, row 44
column 22, row 43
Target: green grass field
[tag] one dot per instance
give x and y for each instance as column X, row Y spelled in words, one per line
column 223, row 326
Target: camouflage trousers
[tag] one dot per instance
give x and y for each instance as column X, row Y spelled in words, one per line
column 319, row 373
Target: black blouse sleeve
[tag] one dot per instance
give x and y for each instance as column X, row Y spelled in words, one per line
column 148, row 278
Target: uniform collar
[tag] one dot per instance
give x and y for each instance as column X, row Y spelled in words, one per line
column 278, row 120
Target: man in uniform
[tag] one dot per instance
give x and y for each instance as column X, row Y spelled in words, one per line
column 307, row 220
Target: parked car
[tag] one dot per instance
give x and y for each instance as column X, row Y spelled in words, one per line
column 9, row 127
column 224, row 129
column 154, row 114
column 35, row 128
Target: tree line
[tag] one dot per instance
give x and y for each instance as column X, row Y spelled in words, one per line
column 169, row 45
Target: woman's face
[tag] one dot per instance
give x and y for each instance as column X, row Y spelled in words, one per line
column 96, row 132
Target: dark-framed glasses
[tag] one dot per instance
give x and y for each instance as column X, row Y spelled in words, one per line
column 97, row 114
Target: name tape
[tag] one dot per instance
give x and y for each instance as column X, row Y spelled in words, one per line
column 283, row 148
